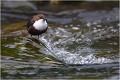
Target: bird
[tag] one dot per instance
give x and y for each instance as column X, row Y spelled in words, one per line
column 37, row 25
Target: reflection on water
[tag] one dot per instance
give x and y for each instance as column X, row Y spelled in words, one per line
column 79, row 44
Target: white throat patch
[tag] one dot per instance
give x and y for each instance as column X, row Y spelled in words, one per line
column 40, row 24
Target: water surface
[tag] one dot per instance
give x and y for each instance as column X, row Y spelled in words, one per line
column 80, row 43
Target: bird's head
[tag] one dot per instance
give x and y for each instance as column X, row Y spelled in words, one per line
column 39, row 17
column 39, row 21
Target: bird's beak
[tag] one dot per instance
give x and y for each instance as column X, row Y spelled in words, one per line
column 45, row 19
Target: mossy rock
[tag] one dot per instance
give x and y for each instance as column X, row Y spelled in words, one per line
column 8, row 28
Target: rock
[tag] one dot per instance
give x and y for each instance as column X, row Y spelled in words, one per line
column 17, row 4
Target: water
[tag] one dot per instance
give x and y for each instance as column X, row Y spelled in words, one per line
column 63, row 53
column 75, row 48
column 84, row 46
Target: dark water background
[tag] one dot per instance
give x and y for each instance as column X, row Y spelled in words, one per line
column 84, row 40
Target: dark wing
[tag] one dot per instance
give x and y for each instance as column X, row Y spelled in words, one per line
column 30, row 23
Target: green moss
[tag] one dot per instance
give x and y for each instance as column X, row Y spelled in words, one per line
column 9, row 52
column 5, row 51
column 9, row 39
column 13, row 27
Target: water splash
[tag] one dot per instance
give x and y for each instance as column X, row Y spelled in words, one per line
column 75, row 48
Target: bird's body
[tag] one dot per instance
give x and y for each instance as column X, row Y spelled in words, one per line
column 37, row 25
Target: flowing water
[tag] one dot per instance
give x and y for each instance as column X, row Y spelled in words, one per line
column 85, row 46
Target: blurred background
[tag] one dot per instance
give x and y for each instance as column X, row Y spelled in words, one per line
column 22, row 10
column 84, row 40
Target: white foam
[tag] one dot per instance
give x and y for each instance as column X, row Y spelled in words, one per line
column 80, row 54
column 70, row 58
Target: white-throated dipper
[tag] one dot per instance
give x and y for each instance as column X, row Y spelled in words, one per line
column 37, row 25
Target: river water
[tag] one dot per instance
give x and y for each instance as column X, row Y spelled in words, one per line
column 79, row 44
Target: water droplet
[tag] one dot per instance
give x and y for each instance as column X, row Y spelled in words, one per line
column 99, row 25
column 88, row 24
column 75, row 28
